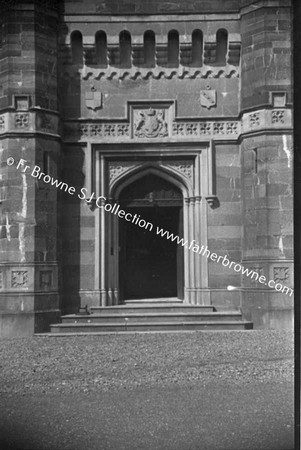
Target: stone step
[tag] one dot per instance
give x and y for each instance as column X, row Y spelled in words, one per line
column 145, row 309
column 86, row 328
column 155, row 301
column 152, row 302
column 137, row 317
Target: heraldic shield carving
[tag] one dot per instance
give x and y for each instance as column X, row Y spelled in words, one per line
column 93, row 99
column 208, row 97
column 150, row 124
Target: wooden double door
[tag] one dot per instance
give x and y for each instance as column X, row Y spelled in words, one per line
column 150, row 265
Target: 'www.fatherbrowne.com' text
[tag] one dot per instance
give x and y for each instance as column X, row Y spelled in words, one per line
column 204, row 251
column 115, row 209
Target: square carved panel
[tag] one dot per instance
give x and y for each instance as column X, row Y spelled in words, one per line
column 19, row 278
column 45, row 278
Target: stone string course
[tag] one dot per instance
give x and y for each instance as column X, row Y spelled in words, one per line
column 184, row 130
column 47, row 123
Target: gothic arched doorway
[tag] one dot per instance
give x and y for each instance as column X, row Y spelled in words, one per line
column 150, row 265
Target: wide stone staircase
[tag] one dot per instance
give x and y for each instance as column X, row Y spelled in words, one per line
column 150, row 315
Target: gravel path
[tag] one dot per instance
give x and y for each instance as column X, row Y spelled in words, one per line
column 102, row 363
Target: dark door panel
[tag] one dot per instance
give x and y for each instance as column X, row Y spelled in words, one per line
column 151, row 266
column 148, row 266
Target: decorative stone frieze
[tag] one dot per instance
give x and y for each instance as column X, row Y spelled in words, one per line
column 111, row 130
column 157, row 121
column 267, row 119
column 135, row 73
column 184, row 167
column 17, row 277
column 151, row 126
column 28, row 122
column 117, row 168
column 199, row 129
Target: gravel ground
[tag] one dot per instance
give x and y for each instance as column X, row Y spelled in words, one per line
column 101, row 363
column 181, row 391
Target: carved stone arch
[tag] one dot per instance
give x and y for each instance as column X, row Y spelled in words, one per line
column 177, row 172
column 158, row 195
column 139, row 171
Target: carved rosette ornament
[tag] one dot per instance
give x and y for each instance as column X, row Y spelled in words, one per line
column 278, row 116
column 150, row 124
column 281, row 274
column 254, row 119
column 22, row 120
column 19, row 278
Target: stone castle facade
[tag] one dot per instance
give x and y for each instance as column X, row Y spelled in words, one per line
column 178, row 109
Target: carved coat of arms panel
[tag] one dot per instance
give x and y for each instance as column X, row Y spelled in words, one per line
column 150, row 123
